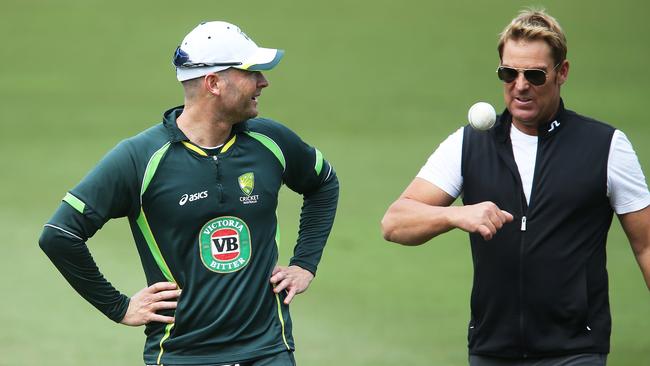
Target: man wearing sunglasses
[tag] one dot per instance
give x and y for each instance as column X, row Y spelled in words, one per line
column 200, row 191
column 539, row 192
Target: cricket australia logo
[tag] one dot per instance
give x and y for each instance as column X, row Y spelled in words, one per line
column 247, row 184
column 225, row 244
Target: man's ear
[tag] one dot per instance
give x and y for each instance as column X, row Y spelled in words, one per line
column 214, row 83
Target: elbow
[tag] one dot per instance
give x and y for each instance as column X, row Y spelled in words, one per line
column 395, row 227
column 390, row 224
column 391, row 232
column 388, row 228
column 54, row 243
column 44, row 242
column 47, row 242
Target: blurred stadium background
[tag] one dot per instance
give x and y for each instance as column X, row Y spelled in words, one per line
column 376, row 85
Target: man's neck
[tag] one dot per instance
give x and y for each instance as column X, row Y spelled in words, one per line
column 202, row 127
column 531, row 128
column 527, row 128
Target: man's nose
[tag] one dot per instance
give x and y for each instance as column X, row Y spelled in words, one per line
column 520, row 82
column 262, row 82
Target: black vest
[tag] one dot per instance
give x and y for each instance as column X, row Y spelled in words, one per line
column 540, row 285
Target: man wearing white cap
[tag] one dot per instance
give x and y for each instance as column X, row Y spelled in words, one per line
column 200, row 191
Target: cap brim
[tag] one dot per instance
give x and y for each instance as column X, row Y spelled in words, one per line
column 263, row 59
column 183, row 74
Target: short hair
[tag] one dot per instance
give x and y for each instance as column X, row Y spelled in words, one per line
column 191, row 87
column 535, row 24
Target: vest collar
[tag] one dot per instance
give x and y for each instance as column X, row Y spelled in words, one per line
column 502, row 128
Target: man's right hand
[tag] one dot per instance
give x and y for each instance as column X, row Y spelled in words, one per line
column 484, row 218
column 144, row 304
column 423, row 211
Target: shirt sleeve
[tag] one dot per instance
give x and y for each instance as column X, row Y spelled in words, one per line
column 443, row 168
column 69, row 253
column 316, row 220
column 110, row 190
column 626, row 184
column 103, row 194
column 307, row 172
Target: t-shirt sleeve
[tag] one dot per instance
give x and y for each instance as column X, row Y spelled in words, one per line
column 443, row 168
column 626, row 184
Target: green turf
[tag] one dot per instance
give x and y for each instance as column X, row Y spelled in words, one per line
column 375, row 85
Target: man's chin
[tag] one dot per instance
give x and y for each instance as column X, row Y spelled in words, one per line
column 527, row 118
column 251, row 114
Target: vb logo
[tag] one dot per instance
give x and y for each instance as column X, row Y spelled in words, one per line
column 225, row 244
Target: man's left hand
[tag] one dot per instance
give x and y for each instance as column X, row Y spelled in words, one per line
column 293, row 279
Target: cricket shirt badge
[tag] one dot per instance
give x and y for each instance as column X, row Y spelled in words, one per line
column 247, row 184
column 225, row 244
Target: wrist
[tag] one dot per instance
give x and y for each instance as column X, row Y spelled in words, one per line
column 452, row 216
column 303, row 265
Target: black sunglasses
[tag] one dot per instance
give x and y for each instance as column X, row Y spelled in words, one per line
column 536, row 77
column 182, row 59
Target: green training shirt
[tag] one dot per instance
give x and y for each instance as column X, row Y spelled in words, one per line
column 206, row 222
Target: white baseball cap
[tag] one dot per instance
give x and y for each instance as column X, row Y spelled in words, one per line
column 216, row 46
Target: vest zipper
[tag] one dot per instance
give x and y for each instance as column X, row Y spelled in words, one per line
column 521, row 289
column 522, row 320
column 522, row 254
column 506, row 153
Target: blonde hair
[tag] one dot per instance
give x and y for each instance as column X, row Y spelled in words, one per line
column 535, row 24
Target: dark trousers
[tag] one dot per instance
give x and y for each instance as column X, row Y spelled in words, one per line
column 584, row 359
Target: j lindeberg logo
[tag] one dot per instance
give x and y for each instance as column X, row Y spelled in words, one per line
column 553, row 125
column 192, row 197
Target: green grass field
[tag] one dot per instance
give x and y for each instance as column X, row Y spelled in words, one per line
column 376, row 85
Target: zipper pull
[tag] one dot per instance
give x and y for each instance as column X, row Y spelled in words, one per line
column 523, row 223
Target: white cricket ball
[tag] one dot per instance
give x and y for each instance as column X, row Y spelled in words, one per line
column 482, row 116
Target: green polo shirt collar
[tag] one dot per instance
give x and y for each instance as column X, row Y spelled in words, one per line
column 175, row 133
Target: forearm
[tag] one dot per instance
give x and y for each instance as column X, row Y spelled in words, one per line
column 637, row 228
column 643, row 258
column 411, row 222
column 641, row 251
column 67, row 250
column 316, row 220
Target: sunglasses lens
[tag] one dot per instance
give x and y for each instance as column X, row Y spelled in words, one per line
column 180, row 57
column 507, row 74
column 535, row 77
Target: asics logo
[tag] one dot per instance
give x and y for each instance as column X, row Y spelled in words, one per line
column 192, row 197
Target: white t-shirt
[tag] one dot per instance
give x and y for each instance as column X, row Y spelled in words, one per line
column 626, row 186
